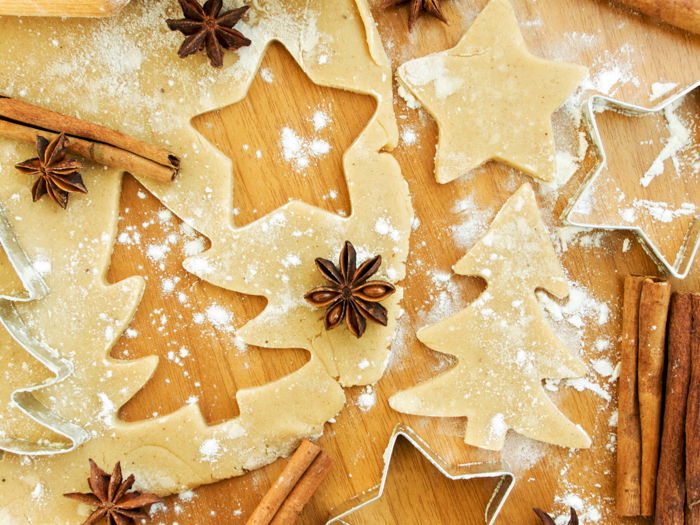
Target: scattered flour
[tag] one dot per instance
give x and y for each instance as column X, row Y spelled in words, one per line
column 680, row 138
column 603, row 367
column 157, row 252
column 420, row 72
column 320, row 120
column 475, row 223
column 299, row 151
column 409, row 99
column 42, row 265
column 210, row 450
column 267, row 75
column 408, row 136
column 367, row 399
column 612, row 69
column 659, row 89
column 660, row 211
column 383, row 226
column 587, row 511
column 445, row 298
column 572, row 319
column 522, row 453
column 219, row 316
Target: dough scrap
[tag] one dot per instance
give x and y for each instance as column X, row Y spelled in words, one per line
column 119, row 63
column 491, row 99
column 503, row 343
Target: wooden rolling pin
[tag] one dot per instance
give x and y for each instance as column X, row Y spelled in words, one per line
column 680, row 13
column 82, row 8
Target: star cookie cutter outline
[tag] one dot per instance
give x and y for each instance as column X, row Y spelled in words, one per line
column 455, row 472
column 12, row 321
column 691, row 244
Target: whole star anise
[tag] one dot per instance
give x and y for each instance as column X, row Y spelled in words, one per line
column 58, row 176
column 433, row 7
column 351, row 296
column 548, row 520
column 110, row 494
column 206, row 29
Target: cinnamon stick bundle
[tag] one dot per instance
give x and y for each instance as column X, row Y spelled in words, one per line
column 302, row 492
column 670, row 491
column 692, row 424
column 292, row 490
column 629, row 433
column 22, row 121
column 653, row 313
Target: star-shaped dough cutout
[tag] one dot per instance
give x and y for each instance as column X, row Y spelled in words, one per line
column 491, row 98
column 465, row 471
column 651, row 188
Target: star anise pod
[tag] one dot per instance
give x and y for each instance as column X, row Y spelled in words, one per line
column 58, row 176
column 206, row 29
column 432, row 7
column 110, row 494
column 548, row 520
column 351, row 296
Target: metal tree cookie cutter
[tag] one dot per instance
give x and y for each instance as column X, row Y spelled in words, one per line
column 464, row 471
column 680, row 267
column 61, row 369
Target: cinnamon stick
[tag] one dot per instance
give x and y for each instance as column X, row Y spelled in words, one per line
column 304, row 489
column 653, row 312
column 62, row 8
column 629, row 440
column 670, row 490
column 293, row 471
column 680, row 13
column 22, row 121
column 692, row 423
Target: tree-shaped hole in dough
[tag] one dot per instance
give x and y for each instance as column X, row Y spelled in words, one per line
column 185, row 321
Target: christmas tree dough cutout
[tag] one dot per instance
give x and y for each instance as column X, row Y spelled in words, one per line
column 503, row 343
column 491, row 99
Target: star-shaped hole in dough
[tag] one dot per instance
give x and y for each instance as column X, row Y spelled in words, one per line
column 651, row 188
column 491, row 99
column 432, row 477
column 295, row 153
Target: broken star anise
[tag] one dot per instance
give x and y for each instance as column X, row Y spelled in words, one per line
column 58, row 176
column 548, row 520
column 110, row 494
column 432, row 7
column 351, row 296
column 206, row 29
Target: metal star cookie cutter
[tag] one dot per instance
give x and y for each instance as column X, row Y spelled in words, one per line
column 462, row 471
column 61, row 369
column 595, row 104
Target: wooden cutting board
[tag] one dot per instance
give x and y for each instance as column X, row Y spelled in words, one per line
column 627, row 54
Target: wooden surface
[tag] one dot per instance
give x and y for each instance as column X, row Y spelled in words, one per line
column 590, row 32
